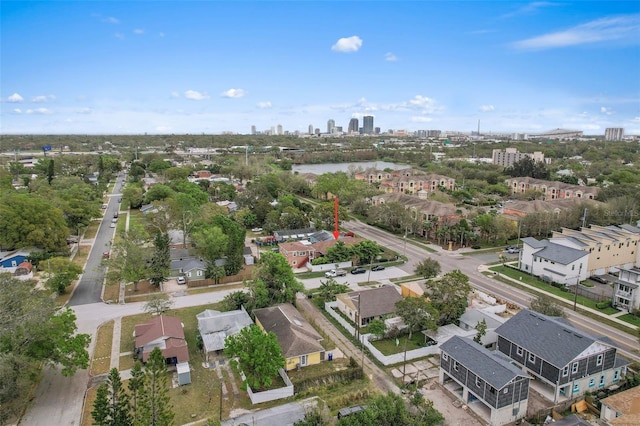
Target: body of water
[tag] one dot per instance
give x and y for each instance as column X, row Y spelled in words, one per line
column 346, row 167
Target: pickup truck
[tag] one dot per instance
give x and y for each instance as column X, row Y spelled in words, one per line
column 335, row 273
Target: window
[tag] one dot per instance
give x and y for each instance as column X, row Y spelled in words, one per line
column 519, row 351
column 455, row 365
column 445, row 356
column 576, row 388
column 532, row 358
column 616, row 375
column 574, row 368
column 199, row 273
column 505, row 391
column 599, row 359
column 601, row 384
column 565, row 371
column 303, row 360
column 478, row 382
column 592, row 382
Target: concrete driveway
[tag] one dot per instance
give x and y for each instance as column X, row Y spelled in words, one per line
column 353, row 280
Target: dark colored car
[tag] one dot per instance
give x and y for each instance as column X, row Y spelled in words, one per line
column 358, row 270
column 599, row 279
column 378, row 268
column 115, row 215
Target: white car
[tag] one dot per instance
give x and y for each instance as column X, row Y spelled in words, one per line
column 181, row 280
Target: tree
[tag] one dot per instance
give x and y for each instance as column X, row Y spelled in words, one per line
column 274, row 282
column 330, row 288
column 136, row 385
column 133, row 195
column 428, row 268
column 160, row 260
column 339, row 253
column 129, row 257
column 33, row 331
column 449, row 296
column 417, row 314
column 366, row 251
column 211, row 243
column 481, row 328
column 390, row 410
column 546, row 306
column 154, row 406
column 111, row 407
column 258, row 355
column 50, row 171
column 157, row 304
column 377, row 327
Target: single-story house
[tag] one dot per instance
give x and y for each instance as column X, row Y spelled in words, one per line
column 299, row 341
column 162, row 332
column 9, row 260
column 621, row 409
column 363, row 306
column 24, row 271
column 192, row 268
column 215, row 327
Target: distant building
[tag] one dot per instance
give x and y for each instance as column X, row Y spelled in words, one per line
column 331, row 126
column 367, row 124
column 353, row 125
column 280, row 130
column 253, row 130
column 310, row 129
column 552, row 190
column 614, row 134
column 510, row 156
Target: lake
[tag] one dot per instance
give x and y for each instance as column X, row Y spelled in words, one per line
column 344, row 167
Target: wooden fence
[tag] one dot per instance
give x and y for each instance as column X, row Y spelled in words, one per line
column 244, row 274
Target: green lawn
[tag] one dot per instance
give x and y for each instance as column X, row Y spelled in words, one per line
column 631, row 319
column 393, row 346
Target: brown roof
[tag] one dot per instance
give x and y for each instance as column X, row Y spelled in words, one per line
column 295, row 335
column 376, row 301
column 165, row 333
column 626, row 402
column 323, row 246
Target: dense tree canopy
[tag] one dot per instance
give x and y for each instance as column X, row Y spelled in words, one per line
column 274, row 282
column 449, row 296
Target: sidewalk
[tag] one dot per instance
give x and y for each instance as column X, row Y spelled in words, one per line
column 614, row 317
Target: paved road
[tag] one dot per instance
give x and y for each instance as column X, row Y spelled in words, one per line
column 469, row 265
column 89, row 288
column 353, row 280
column 282, row 415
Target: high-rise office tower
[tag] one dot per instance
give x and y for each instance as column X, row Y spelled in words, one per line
column 367, row 124
column 310, row 129
column 613, row 134
column 353, row 125
column 253, row 130
column 280, row 129
column 331, row 126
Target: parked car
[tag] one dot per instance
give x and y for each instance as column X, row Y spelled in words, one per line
column 181, row 280
column 513, row 250
column 358, row 270
column 599, row 279
column 114, row 220
column 115, row 215
column 378, row 268
column 113, row 225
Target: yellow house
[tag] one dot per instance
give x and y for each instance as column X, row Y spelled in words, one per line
column 609, row 247
column 299, row 341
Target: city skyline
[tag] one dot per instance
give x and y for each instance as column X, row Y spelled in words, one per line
column 73, row 67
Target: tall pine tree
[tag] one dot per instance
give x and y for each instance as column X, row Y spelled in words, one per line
column 154, row 406
column 161, row 259
column 111, row 407
column 136, row 384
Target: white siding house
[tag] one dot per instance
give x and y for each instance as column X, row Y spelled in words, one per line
column 554, row 262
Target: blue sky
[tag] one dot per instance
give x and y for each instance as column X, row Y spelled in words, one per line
column 92, row 67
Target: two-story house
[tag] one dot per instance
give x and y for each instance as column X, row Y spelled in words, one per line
column 485, row 377
column 625, row 290
column 553, row 262
column 566, row 361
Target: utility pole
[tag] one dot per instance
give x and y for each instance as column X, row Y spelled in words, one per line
column 575, row 296
column 584, row 217
column 359, row 334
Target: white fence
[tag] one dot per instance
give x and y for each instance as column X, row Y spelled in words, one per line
column 329, row 266
column 273, row 394
column 384, row 359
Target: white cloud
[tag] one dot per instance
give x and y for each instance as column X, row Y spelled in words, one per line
column 175, row 94
column 605, row 110
column 529, row 8
column 347, row 44
column 119, row 36
column 487, row 108
column 138, row 31
column 83, row 110
column 264, row 105
column 420, row 101
column 390, row 57
column 605, row 29
column 417, row 119
column 234, row 93
column 636, row 119
column 43, row 98
column 111, row 20
column 195, row 96
column 42, row 111
column 17, row 110
column 15, row 98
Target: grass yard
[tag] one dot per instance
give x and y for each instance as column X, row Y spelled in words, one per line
column 91, row 230
column 101, row 360
column 126, row 362
column 631, row 319
column 81, row 255
column 89, row 399
column 389, row 346
column 135, row 218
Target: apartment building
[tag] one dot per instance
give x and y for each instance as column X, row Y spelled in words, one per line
column 552, row 190
column 509, row 156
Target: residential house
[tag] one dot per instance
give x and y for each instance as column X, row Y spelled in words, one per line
column 610, row 247
column 190, row 267
column 216, row 326
column 552, row 190
column 293, row 234
column 553, row 262
column 177, row 239
column 567, row 362
column 485, row 377
column 230, row 206
column 298, row 253
column 412, row 289
column 517, row 209
column 422, row 210
column 299, row 341
column 626, row 296
column 363, row 306
column 162, row 332
column 474, row 316
column 406, row 181
column 621, row 409
column 10, row 260
column 24, row 271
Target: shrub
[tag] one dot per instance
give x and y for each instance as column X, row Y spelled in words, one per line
column 603, row 305
column 476, row 247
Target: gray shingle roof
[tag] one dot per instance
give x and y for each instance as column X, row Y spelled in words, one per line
column 215, row 326
column 476, row 358
column 534, row 243
column 376, row 301
column 555, row 252
column 187, row 265
column 546, row 337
